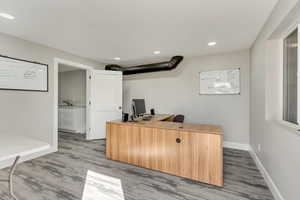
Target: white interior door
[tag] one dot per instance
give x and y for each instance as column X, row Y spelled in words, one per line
column 105, row 102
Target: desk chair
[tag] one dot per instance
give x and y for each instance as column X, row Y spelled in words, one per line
column 179, row 118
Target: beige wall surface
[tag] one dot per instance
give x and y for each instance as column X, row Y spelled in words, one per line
column 72, row 87
column 177, row 92
column 31, row 113
column 280, row 145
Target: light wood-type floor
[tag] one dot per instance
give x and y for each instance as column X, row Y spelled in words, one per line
column 80, row 171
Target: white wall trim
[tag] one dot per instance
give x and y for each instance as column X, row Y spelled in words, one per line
column 246, row 147
column 272, row 186
column 239, row 146
column 73, row 64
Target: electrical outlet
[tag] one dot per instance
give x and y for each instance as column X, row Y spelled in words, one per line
column 259, row 147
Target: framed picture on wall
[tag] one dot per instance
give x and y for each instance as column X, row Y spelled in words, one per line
column 23, row 75
column 220, row 82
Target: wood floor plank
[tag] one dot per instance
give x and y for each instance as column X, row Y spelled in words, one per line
column 65, row 175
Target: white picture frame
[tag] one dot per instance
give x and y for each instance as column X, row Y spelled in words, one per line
column 220, row 82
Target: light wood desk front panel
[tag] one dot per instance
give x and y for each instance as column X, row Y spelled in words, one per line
column 166, row 151
column 199, row 156
column 202, row 157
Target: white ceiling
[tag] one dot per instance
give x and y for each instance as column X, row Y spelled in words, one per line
column 133, row 29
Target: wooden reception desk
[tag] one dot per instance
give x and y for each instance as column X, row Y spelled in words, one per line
column 188, row 150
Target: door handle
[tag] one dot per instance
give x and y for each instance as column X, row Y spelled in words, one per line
column 120, row 107
column 178, row 140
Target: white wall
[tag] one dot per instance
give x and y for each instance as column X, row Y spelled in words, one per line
column 72, row 87
column 280, row 145
column 177, row 92
column 31, row 113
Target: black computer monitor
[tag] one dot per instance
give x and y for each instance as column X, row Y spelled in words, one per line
column 139, row 107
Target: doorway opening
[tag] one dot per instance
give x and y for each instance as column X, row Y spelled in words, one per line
column 103, row 99
column 71, row 98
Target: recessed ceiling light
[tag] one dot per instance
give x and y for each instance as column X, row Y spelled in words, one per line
column 211, row 44
column 7, row 16
column 117, row 58
column 156, row 52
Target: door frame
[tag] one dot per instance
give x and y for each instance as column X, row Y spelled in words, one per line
column 58, row 61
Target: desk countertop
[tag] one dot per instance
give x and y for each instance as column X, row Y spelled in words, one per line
column 157, row 117
column 201, row 128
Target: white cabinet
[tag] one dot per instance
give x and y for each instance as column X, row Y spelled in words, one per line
column 72, row 118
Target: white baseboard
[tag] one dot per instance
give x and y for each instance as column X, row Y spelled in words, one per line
column 272, row 186
column 240, row 146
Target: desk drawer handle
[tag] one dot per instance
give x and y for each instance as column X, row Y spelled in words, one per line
column 178, row 140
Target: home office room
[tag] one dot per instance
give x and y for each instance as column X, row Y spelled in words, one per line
column 138, row 100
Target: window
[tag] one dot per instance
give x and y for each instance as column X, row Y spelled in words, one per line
column 290, row 82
